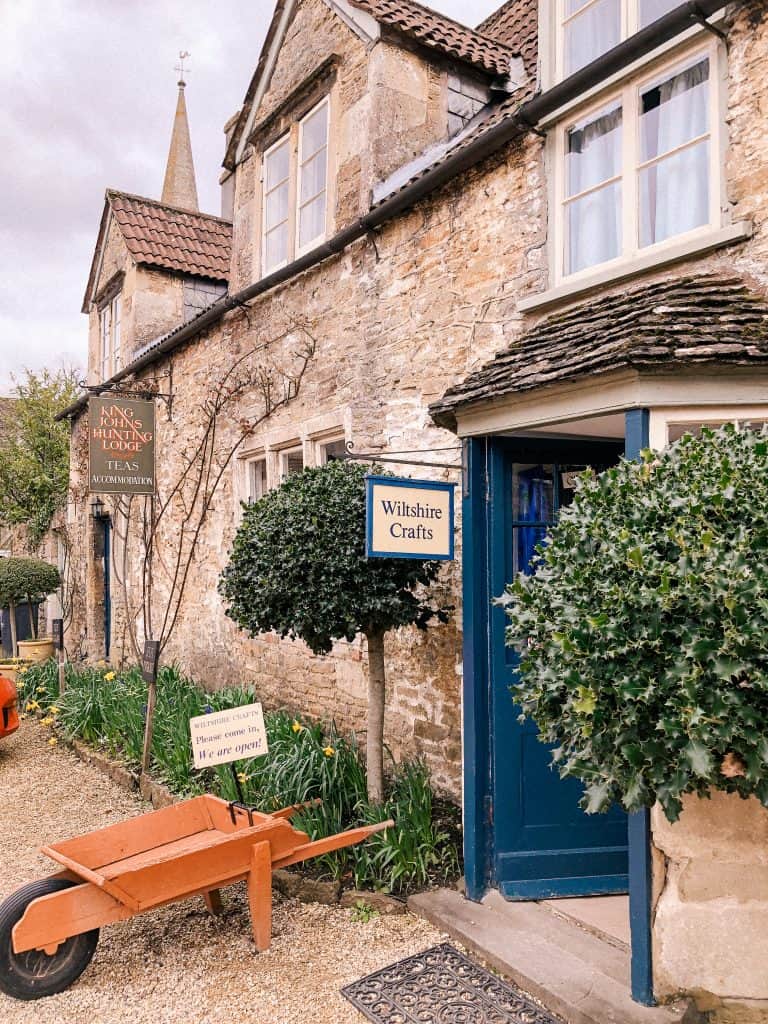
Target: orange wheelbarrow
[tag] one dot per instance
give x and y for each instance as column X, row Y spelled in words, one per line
column 49, row 929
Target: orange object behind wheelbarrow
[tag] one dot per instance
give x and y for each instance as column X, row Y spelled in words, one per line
column 49, row 929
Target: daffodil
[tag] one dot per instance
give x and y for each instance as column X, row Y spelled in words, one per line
column 296, row 726
column 41, row 689
column 109, row 676
column 329, row 751
column 242, row 778
column 22, row 671
column 52, row 741
column 48, row 720
column 53, row 710
column 31, row 705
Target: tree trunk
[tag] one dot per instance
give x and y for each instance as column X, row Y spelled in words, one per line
column 32, row 621
column 12, row 616
column 375, row 740
column 148, row 728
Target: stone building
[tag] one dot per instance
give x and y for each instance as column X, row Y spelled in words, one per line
column 545, row 236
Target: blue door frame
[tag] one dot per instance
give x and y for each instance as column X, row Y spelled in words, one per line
column 477, row 711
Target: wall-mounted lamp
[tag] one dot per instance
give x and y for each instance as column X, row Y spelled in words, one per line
column 97, row 510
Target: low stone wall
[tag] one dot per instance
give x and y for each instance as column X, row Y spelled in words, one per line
column 710, row 928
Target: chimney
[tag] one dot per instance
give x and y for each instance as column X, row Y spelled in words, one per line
column 179, row 188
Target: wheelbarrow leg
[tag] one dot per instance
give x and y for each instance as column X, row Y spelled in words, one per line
column 213, row 901
column 260, row 895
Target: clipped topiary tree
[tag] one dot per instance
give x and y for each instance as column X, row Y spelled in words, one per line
column 643, row 633
column 298, row 567
column 25, row 581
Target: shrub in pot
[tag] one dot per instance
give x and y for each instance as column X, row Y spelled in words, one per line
column 25, row 582
column 642, row 632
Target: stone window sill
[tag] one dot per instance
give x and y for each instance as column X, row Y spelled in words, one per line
column 639, row 265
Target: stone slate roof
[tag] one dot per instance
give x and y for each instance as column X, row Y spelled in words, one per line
column 516, row 24
column 172, row 238
column 684, row 322
column 441, row 33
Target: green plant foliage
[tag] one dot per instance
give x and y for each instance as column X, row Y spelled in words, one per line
column 105, row 707
column 34, row 451
column 298, row 565
column 642, row 633
column 26, row 579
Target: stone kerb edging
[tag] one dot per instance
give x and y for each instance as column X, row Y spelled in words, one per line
column 288, row 883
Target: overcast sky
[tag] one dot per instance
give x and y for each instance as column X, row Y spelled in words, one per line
column 88, row 95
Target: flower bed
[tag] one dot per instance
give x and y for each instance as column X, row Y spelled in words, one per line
column 106, row 708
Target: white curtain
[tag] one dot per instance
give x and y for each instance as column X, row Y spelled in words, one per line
column 592, row 33
column 674, row 193
column 594, row 220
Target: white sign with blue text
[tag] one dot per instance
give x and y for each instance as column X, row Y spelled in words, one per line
column 408, row 518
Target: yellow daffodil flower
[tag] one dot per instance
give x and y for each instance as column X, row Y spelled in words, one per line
column 242, row 778
column 31, row 705
column 296, row 727
column 329, row 751
column 48, row 720
column 109, row 676
column 53, row 710
column 22, row 671
column 41, row 689
column 52, row 741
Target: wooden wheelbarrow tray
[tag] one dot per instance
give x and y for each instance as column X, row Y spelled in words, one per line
column 191, row 848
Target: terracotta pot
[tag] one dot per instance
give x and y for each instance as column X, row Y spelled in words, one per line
column 36, row 650
column 10, row 671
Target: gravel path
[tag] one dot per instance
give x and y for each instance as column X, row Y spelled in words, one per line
column 178, row 965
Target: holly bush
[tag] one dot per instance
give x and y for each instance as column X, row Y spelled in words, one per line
column 298, row 565
column 643, row 632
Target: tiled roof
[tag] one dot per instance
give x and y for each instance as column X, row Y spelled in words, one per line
column 695, row 320
column 516, row 24
column 440, row 33
column 164, row 236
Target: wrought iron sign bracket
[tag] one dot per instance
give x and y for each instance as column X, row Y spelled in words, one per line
column 125, row 392
column 353, row 456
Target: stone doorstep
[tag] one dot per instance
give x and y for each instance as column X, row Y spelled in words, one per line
column 572, row 972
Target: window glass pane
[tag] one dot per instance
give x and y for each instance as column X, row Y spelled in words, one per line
column 314, row 132
column 596, row 29
column 593, row 223
column 674, row 194
column 593, row 150
column 313, row 176
column 650, row 10
column 116, row 312
column 675, row 111
column 292, row 463
column 276, row 206
column 277, row 166
column 533, row 495
column 277, row 246
column 257, row 479
column 332, row 450
column 312, row 220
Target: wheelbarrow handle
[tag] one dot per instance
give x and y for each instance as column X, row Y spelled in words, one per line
column 330, row 843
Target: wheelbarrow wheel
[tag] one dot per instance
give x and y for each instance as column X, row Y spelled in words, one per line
column 34, row 974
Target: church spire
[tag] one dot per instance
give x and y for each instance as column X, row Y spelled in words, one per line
column 179, row 188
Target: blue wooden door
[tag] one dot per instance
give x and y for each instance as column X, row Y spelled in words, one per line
column 543, row 845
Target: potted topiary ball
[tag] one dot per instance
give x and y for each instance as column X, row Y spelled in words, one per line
column 24, row 584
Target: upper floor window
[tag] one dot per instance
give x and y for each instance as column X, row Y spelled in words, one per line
column 640, row 169
column 295, row 190
column 589, row 28
column 109, row 337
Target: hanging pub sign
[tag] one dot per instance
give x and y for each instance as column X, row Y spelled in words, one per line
column 121, row 445
column 408, row 518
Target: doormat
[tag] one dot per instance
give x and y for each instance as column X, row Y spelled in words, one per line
column 441, row 986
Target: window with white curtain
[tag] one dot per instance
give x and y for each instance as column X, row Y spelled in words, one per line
column 277, row 163
column 640, row 169
column 256, row 478
column 110, row 352
column 295, row 190
column 589, row 28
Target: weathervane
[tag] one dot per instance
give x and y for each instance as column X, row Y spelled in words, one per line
column 183, row 54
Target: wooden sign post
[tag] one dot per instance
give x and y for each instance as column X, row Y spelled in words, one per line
column 149, row 662
column 58, row 643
